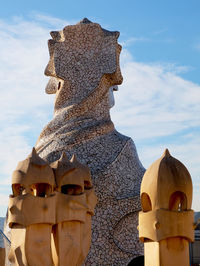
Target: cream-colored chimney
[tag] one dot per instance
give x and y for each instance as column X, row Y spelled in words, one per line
column 166, row 219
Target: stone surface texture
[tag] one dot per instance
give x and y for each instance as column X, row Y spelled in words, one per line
column 84, row 71
column 2, row 220
column 50, row 212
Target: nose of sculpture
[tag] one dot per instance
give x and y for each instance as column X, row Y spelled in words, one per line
column 56, row 35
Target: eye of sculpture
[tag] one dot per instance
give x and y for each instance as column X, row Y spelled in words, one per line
column 146, row 202
column 71, row 189
column 87, row 185
column 178, row 201
column 18, row 189
column 41, row 189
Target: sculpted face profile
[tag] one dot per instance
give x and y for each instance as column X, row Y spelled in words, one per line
column 84, row 71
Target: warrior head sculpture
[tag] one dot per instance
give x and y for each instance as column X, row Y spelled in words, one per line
column 84, row 71
column 80, row 56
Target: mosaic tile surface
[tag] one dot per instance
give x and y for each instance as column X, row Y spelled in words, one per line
column 84, row 70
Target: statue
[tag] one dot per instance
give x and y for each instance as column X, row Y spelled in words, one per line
column 75, row 205
column 166, row 222
column 49, row 212
column 84, row 70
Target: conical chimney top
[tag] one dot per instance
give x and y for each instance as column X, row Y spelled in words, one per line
column 166, row 153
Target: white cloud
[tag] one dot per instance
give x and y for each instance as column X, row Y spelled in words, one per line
column 24, row 109
column 160, row 31
column 155, row 101
column 159, row 110
column 196, row 46
column 49, row 20
column 14, row 147
column 4, row 200
column 4, row 204
column 155, row 106
column 134, row 40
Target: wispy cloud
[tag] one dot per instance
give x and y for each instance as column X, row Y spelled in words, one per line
column 151, row 38
column 51, row 21
column 160, row 31
column 197, row 46
column 23, row 107
column 134, row 40
column 155, row 106
column 157, row 98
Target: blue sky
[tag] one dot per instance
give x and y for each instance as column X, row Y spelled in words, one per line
column 158, row 102
column 166, row 30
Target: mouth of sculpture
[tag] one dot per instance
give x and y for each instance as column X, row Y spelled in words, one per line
column 54, row 85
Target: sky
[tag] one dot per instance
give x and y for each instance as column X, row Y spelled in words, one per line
column 158, row 104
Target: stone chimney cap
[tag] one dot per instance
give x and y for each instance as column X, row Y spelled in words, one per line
column 85, row 21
